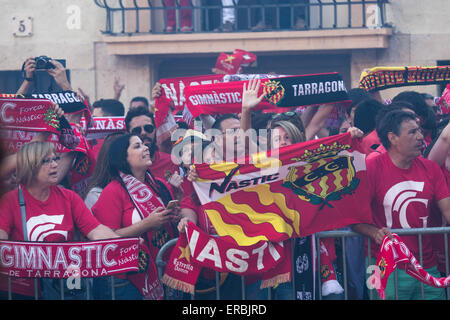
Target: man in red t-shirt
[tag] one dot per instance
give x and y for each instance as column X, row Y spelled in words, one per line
column 403, row 185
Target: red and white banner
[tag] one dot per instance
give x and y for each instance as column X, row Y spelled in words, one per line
column 172, row 93
column 69, row 259
column 28, row 115
column 196, row 249
column 102, row 126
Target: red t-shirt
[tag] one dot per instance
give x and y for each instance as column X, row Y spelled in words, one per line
column 115, row 209
column 162, row 165
column 52, row 220
column 402, row 198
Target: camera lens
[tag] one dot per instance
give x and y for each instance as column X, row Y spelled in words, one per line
column 40, row 63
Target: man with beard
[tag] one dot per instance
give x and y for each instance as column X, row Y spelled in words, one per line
column 140, row 121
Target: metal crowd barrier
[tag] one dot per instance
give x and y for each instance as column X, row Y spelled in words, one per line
column 337, row 234
column 343, row 235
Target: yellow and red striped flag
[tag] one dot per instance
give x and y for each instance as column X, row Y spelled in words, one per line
column 294, row 191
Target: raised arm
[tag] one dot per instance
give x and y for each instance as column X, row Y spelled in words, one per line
column 317, row 121
column 29, row 69
column 441, row 147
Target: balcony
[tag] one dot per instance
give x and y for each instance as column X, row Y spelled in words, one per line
column 136, row 27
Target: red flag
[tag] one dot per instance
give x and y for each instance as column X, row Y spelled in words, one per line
column 294, row 191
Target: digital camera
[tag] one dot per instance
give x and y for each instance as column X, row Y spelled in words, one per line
column 43, row 62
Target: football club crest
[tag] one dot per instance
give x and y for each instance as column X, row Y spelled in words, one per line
column 273, row 91
column 382, row 267
column 325, row 272
column 325, row 177
column 51, row 119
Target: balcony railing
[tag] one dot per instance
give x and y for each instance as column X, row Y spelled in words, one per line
column 133, row 17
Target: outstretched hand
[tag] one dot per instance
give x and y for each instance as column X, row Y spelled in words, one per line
column 250, row 98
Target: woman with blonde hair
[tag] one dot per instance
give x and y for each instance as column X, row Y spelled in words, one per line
column 284, row 133
column 45, row 204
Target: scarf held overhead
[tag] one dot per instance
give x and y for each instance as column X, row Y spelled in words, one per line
column 28, row 115
column 292, row 91
column 63, row 260
column 289, row 192
column 35, row 115
column 394, row 253
column 172, row 93
column 380, row 78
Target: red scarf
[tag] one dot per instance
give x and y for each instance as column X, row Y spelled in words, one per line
column 394, row 253
column 102, row 126
column 281, row 92
column 172, row 93
column 28, row 115
column 62, row 260
column 196, row 249
column 146, row 201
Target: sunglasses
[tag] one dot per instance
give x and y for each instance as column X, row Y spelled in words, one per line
column 48, row 161
column 288, row 114
column 147, row 128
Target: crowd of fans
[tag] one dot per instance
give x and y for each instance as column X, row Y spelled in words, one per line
column 406, row 141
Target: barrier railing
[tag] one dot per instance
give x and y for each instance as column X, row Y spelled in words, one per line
column 343, row 235
column 128, row 17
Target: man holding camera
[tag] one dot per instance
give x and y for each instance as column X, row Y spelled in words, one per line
column 58, row 72
column 72, row 160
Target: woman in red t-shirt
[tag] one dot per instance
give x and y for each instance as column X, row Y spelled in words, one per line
column 134, row 205
column 51, row 212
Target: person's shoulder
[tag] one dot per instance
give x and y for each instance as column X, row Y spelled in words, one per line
column 428, row 164
column 10, row 195
column 375, row 159
column 65, row 193
column 113, row 186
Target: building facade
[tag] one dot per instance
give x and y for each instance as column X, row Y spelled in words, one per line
column 101, row 40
